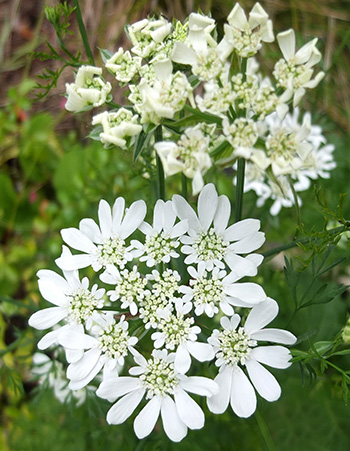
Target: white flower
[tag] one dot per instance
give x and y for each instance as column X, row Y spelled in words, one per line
column 165, row 390
column 294, row 73
column 123, row 65
column 117, row 126
column 107, row 349
column 210, row 240
column 190, row 155
column 130, row 287
column 165, row 288
column 162, row 239
column 207, row 291
column 148, row 35
column 245, row 36
column 177, row 331
column 163, row 96
column 73, row 301
column 242, row 134
column 235, row 347
column 88, row 90
column 103, row 246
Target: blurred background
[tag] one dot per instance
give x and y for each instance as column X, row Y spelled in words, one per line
column 51, row 176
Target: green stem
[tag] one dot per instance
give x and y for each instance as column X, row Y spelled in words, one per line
column 264, row 431
column 83, row 32
column 184, row 186
column 244, row 68
column 295, row 243
column 158, row 135
column 296, row 203
column 240, row 188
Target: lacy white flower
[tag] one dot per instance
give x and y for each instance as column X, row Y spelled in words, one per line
column 117, row 126
column 211, row 241
column 73, row 301
column 165, row 288
column 123, row 66
column 147, row 35
column 88, row 90
column 52, row 373
column 130, row 287
column 237, row 347
column 164, row 389
column 190, row 155
column 106, row 348
column 103, row 246
column 294, row 73
column 163, row 96
column 242, row 134
column 245, row 36
column 177, row 331
column 162, row 240
column 209, row 291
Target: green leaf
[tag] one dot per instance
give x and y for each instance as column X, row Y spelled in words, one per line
column 205, row 117
column 105, row 54
column 142, row 142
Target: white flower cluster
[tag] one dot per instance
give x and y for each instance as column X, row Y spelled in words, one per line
column 181, row 77
column 174, row 286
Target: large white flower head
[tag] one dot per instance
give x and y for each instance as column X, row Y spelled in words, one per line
column 209, row 291
column 238, row 346
column 74, row 302
column 176, row 331
column 117, row 127
column 148, row 35
column 165, row 389
column 190, row 155
column 242, row 134
column 103, row 246
column 245, row 35
column 162, row 240
column 294, row 72
column 162, row 97
column 123, row 66
column 88, row 90
column 211, row 241
column 106, row 348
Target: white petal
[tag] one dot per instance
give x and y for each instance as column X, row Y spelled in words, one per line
column 81, row 368
column 74, row 262
column 200, row 351
column 147, row 418
column 48, row 339
column 77, row 240
column 133, row 218
column 249, row 243
column 207, row 204
column 51, row 292
column 264, row 382
column 222, row 214
column 243, row 398
column 252, row 293
column 219, row 402
column 274, row 356
column 77, row 384
column 189, row 411
column 58, row 280
column 199, row 385
column 286, row 41
column 241, row 229
column 113, row 388
column 240, row 266
column 73, row 355
column 43, row 319
column 174, row 428
column 185, row 211
column 74, row 340
column 90, row 229
column 117, row 213
column 182, row 361
column 275, row 336
column 121, row 411
column 105, row 218
column 260, row 315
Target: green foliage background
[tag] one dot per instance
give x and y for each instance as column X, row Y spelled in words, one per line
column 51, row 177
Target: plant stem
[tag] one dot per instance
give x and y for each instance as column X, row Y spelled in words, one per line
column 264, row 431
column 296, row 204
column 83, row 32
column 184, row 186
column 240, row 188
column 160, row 171
column 295, row 243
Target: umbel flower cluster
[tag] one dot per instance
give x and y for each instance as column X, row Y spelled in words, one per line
column 212, row 101
column 174, row 303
